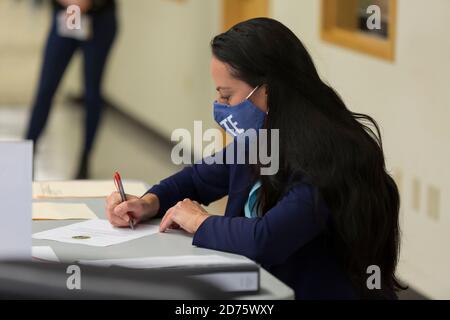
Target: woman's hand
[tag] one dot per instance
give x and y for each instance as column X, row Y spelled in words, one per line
column 186, row 214
column 139, row 209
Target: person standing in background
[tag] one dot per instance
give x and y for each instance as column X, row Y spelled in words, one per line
column 95, row 39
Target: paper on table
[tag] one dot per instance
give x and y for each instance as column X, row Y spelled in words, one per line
column 97, row 232
column 83, row 189
column 44, row 253
column 62, row 211
column 169, row 262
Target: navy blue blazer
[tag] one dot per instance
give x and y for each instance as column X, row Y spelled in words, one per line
column 288, row 241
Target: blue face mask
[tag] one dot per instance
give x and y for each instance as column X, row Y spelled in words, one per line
column 239, row 118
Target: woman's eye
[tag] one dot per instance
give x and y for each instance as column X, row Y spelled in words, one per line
column 225, row 99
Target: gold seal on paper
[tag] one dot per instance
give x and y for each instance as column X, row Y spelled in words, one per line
column 81, row 237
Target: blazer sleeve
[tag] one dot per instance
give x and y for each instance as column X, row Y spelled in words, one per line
column 202, row 182
column 269, row 240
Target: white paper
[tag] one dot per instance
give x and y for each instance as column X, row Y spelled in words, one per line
column 44, row 253
column 62, row 211
column 15, row 199
column 83, row 189
column 99, row 233
column 169, row 262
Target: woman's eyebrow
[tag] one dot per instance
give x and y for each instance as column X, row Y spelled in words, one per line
column 222, row 88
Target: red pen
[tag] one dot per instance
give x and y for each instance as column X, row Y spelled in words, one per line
column 119, row 186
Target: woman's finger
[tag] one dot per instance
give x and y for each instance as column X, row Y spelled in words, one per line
column 116, row 221
column 166, row 222
column 166, row 215
column 197, row 206
column 111, row 202
column 175, row 226
column 122, row 210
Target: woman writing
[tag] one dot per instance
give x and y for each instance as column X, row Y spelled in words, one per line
column 331, row 210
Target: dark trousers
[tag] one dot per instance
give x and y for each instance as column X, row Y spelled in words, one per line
column 57, row 55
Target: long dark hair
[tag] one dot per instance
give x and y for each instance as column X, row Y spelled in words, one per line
column 322, row 143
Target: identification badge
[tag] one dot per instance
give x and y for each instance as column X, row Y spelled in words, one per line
column 69, row 28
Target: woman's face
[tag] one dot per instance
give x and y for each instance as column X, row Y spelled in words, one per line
column 232, row 91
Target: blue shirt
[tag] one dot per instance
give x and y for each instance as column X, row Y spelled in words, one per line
column 250, row 207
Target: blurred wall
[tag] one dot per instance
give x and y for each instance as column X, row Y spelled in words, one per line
column 410, row 99
column 22, row 33
column 159, row 70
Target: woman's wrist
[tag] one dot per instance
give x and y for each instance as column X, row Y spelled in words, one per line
column 200, row 219
column 151, row 205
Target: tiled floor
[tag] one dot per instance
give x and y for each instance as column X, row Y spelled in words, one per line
column 120, row 146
